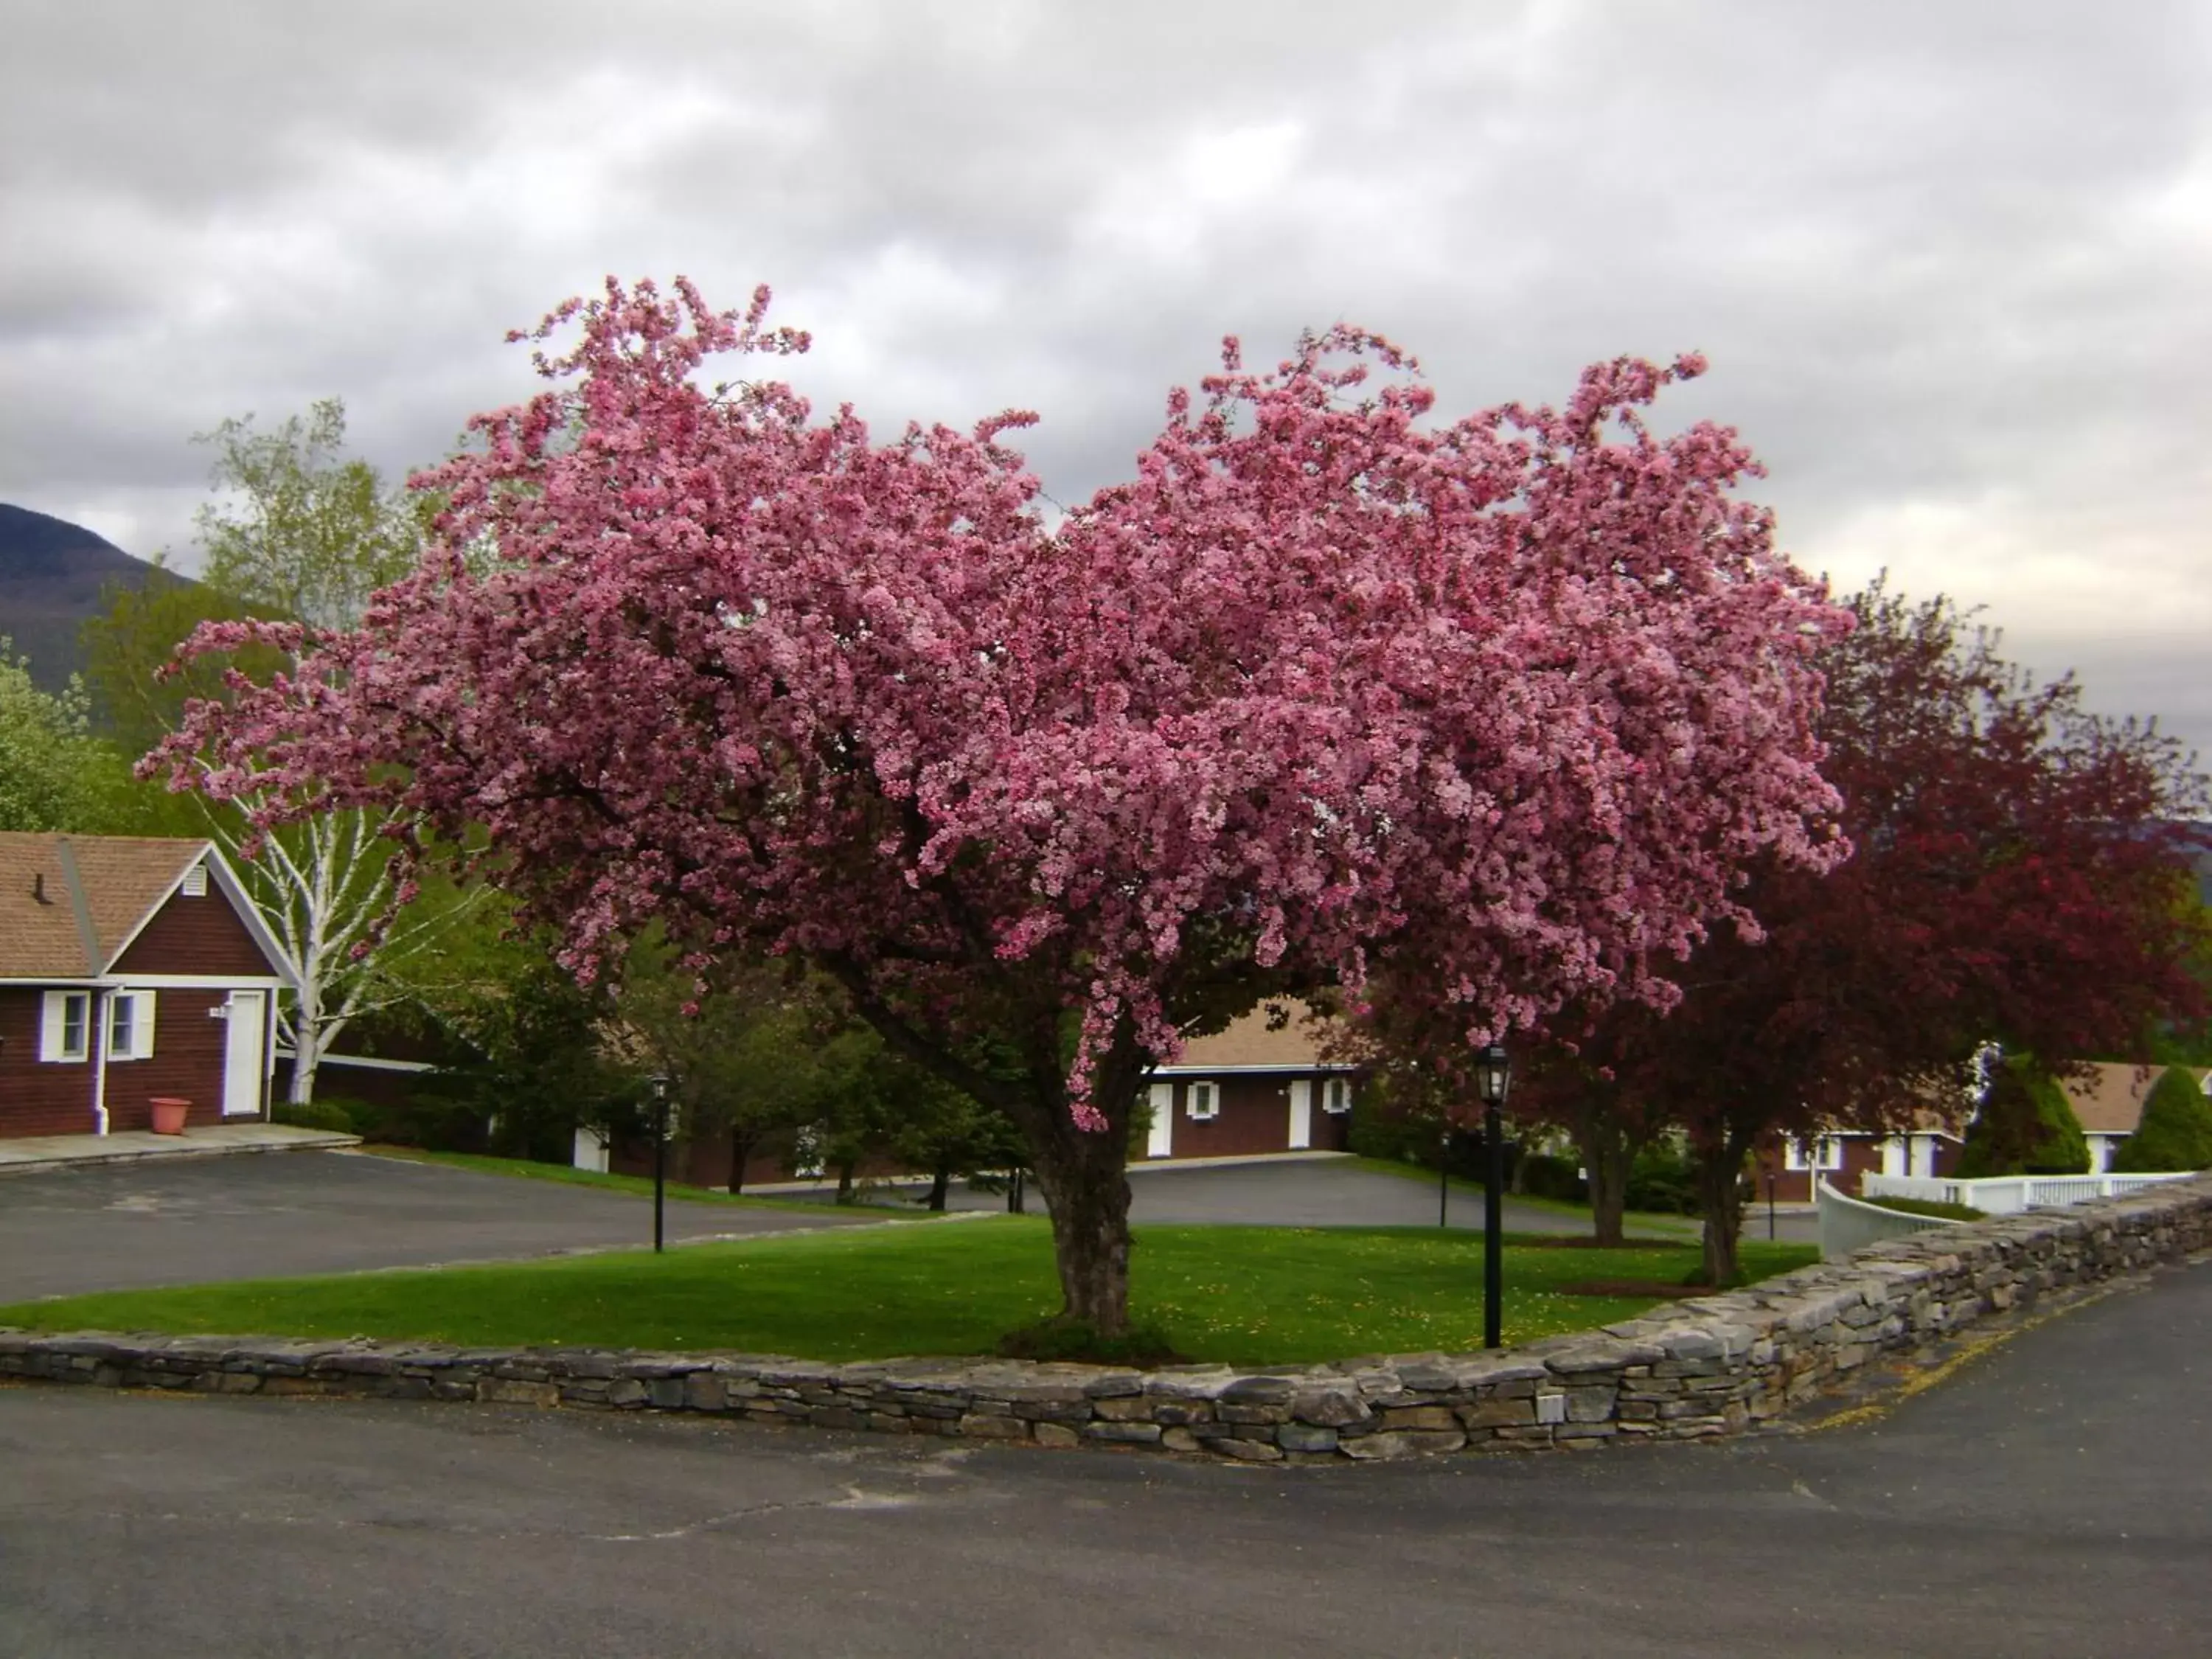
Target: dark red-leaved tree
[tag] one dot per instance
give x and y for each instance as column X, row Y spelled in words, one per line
column 1502, row 705
column 2017, row 877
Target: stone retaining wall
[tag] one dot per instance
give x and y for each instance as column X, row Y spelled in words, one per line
column 1693, row 1370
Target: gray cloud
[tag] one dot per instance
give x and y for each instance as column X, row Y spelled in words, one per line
column 1949, row 261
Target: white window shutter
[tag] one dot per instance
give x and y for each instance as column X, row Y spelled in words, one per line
column 50, row 1025
column 142, row 1025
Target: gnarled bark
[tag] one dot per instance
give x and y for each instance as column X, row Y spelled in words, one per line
column 1608, row 1165
column 1720, row 1197
column 1083, row 1175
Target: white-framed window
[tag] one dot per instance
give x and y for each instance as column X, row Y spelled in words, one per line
column 1336, row 1095
column 1822, row 1152
column 65, row 1026
column 1202, row 1102
column 130, row 1025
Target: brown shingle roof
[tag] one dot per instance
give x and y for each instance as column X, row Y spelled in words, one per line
column 1247, row 1041
column 44, row 915
column 2110, row 1100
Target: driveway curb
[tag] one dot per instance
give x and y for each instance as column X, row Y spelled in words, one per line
column 24, row 1157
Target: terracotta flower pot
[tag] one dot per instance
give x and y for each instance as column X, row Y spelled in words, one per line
column 169, row 1114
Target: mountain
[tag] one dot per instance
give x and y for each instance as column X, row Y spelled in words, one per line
column 52, row 574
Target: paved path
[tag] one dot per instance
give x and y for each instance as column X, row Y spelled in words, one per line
column 1329, row 1194
column 2051, row 1499
column 180, row 1222
column 35, row 1154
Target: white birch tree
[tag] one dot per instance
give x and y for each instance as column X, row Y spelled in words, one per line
column 296, row 531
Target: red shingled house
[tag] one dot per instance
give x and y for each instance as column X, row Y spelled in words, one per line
column 1253, row 1087
column 129, row 969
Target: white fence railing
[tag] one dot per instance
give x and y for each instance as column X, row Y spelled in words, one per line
column 2009, row 1195
column 1847, row 1224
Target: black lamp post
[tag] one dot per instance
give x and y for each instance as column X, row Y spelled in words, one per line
column 1443, row 1176
column 1493, row 1076
column 659, row 1082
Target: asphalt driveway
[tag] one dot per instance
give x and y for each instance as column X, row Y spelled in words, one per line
column 2055, row 1498
column 194, row 1221
column 1336, row 1192
column 191, row 1221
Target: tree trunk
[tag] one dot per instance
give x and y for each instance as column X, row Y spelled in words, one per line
column 1608, row 1168
column 306, row 1058
column 846, row 1171
column 741, row 1152
column 941, row 1184
column 1083, row 1175
column 1089, row 1198
column 1607, row 1155
column 1018, row 1193
column 1720, row 1197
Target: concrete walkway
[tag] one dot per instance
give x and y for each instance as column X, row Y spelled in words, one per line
column 33, row 1152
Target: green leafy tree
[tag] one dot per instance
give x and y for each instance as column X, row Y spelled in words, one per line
column 937, row 1130
column 306, row 534
column 752, row 1058
column 53, row 775
column 137, row 699
column 537, row 1072
column 2175, row 1132
column 2024, row 1126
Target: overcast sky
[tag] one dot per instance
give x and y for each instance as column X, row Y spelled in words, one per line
column 1952, row 262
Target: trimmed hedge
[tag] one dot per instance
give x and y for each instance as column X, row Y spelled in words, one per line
column 329, row 1113
column 2175, row 1132
column 2026, row 1126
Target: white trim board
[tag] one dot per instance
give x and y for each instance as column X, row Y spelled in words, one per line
column 155, row 982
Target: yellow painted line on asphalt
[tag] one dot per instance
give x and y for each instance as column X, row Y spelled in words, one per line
column 1919, row 1381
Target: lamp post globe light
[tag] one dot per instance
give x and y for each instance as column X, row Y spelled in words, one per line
column 1493, row 1077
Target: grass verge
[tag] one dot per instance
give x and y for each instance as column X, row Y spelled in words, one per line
column 1234, row 1295
column 1935, row 1208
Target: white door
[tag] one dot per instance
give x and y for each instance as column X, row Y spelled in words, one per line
column 1301, row 1112
column 242, row 1053
column 1160, row 1141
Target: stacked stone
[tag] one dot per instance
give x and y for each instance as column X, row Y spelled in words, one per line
column 1708, row 1367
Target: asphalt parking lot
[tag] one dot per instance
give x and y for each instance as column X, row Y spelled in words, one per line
column 1337, row 1192
column 130, row 1226
column 126, row 1226
column 2054, row 1498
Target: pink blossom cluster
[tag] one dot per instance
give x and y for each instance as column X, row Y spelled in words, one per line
column 1506, row 705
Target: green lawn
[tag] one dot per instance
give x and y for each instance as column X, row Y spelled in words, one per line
column 562, row 1174
column 1239, row 1295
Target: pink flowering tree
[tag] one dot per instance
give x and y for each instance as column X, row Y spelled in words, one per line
column 1329, row 688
